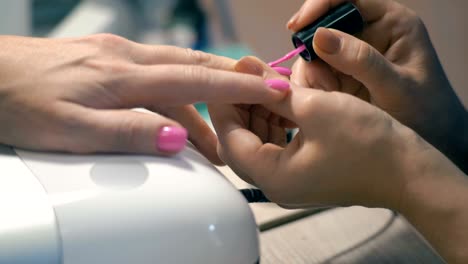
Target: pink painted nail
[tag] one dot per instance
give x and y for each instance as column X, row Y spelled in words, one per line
column 283, row 71
column 278, row 84
column 171, row 139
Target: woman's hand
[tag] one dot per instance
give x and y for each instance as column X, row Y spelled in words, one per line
column 346, row 151
column 75, row 95
column 394, row 66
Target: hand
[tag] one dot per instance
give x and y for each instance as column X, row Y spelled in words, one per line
column 74, row 95
column 347, row 152
column 268, row 126
column 394, row 66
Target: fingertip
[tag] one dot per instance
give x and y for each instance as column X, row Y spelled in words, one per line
column 255, row 66
column 295, row 22
column 327, row 41
column 291, row 25
column 250, row 65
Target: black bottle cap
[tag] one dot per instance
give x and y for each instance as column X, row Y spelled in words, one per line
column 345, row 17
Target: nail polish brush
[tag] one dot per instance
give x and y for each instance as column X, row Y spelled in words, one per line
column 345, row 17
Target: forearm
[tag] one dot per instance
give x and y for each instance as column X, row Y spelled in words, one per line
column 435, row 201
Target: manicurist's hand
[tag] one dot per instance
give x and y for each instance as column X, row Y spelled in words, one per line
column 347, row 152
column 75, row 95
column 393, row 65
column 344, row 150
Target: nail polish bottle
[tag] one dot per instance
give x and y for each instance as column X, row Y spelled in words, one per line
column 345, row 17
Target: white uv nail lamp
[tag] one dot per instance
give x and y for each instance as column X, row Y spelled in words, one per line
column 85, row 209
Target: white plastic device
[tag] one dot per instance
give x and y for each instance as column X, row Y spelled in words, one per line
column 77, row 209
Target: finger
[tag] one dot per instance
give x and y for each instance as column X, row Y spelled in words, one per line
column 301, row 105
column 292, row 113
column 126, row 131
column 173, row 85
column 237, row 171
column 241, row 148
column 155, row 54
column 255, row 66
column 218, row 112
column 277, row 136
column 259, row 122
column 311, row 10
column 358, row 59
column 316, row 74
column 200, row 133
column 299, row 76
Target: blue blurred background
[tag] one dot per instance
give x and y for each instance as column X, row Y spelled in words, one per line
column 232, row 28
column 183, row 23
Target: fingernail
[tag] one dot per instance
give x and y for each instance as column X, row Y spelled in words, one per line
column 283, row 71
column 327, row 41
column 255, row 69
column 291, row 23
column 249, row 65
column 277, row 84
column 171, row 139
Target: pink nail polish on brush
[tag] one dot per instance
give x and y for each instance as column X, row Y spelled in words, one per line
column 288, row 56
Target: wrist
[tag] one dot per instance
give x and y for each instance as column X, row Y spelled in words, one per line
column 434, row 198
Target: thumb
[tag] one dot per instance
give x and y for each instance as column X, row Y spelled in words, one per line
column 356, row 58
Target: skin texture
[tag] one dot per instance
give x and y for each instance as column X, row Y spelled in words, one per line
column 393, row 65
column 374, row 116
column 347, row 152
column 75, row 94
column 319, row 155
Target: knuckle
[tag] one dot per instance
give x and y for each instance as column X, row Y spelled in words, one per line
column 417, row 23
column 342, row 102
column 199, row 77
column 105, row 66
column 198, row 57
column 197, row 74
column 108, row 45
column 409, row 21
column 364, row 57
column 107, row 40
column 312, row 103
column 411, row 18
column 119, row 67
column 126, row 133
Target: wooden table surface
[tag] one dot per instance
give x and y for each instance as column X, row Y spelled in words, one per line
column 342, row 235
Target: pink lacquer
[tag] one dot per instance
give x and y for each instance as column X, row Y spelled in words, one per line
column 171, row 139
column 278, row 84
column 288, row 56
column 282, row 70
